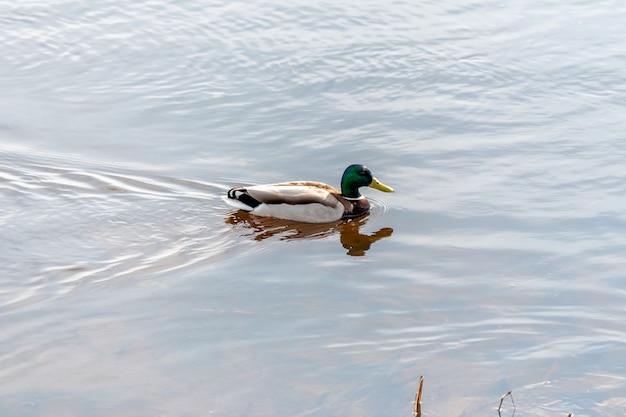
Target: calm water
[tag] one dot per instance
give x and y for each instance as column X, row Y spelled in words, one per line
column 130, row 289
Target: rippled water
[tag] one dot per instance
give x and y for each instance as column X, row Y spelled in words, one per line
column 131, row 289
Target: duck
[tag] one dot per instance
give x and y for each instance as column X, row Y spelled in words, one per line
column 309, row 201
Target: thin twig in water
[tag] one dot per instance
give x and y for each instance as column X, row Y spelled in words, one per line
column 417, row 406
column 508, row 394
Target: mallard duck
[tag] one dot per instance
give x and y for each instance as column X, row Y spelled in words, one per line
column 309, row 201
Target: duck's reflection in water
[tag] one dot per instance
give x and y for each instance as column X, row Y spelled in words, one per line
column 351, row 238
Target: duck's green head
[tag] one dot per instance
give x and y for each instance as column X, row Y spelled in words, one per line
column 356, row 176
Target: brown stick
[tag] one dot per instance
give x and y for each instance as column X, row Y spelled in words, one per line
column 417, row 406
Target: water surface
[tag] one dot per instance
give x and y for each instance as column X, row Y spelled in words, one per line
column 130, row 288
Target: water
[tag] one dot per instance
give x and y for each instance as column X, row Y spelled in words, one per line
column 129, row 288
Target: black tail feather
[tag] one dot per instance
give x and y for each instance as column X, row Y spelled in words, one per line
column 240, row 194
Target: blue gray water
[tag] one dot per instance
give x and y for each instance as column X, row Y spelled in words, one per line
column 130, row 289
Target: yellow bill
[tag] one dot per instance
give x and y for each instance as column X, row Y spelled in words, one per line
column 380, row 186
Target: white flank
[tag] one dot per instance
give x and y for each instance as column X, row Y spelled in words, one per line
column 310, row 213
